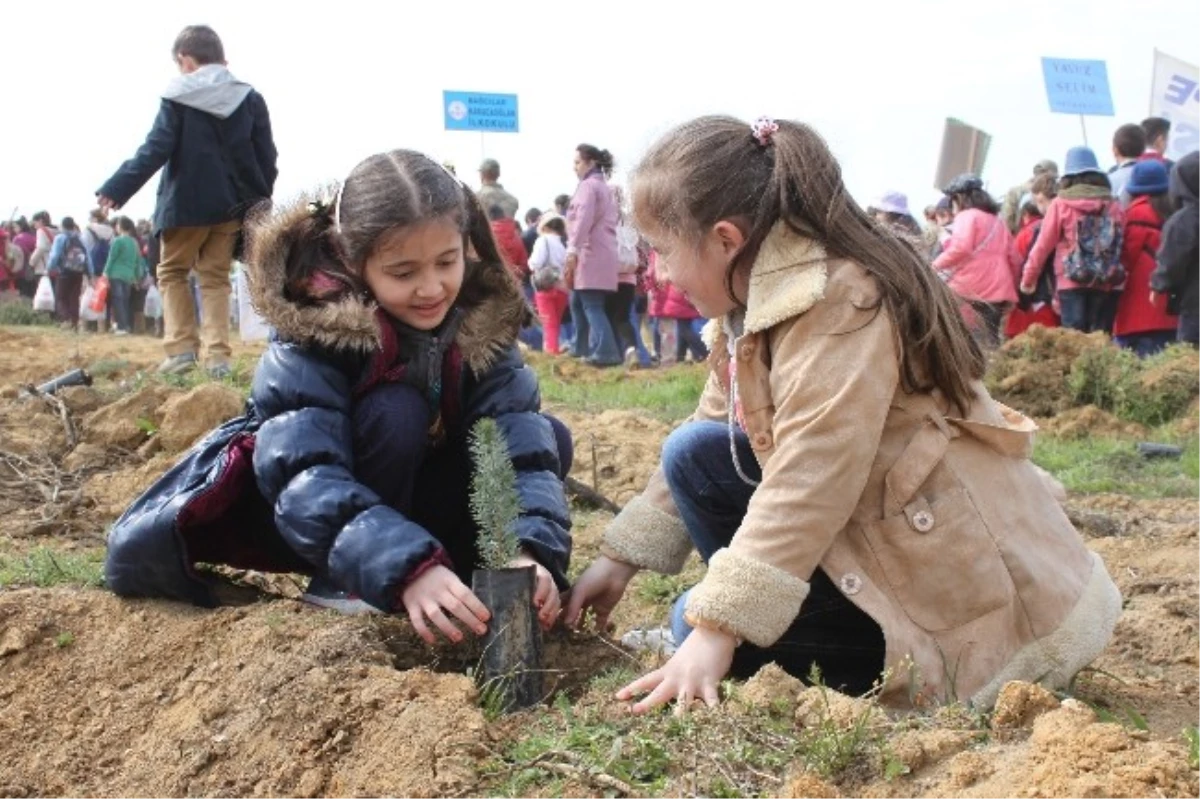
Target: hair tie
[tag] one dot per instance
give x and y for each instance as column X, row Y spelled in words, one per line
column 763, row 129
column 337, row 209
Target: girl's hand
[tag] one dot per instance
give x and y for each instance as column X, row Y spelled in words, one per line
column 600, row 587
column 694, row 672
column 1027, row 289
column 434, row 594
column 569, row 268
column 545, row 595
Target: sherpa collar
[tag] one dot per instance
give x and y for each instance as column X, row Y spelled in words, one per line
column 787, row 278
column 350, row 323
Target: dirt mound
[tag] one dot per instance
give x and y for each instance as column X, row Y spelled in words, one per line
column 137, row 698
column 1030, row 371
column 1091, row 421
column 126, row 423
column 187, row 417
column 615, row 451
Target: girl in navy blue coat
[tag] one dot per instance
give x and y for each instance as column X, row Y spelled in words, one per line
column 396, row 326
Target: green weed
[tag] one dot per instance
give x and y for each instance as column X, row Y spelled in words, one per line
column 44, row 567
column 669, row 394
column 1106, row 465
column 64, row 639
column 1191, row 736
column 21, row 313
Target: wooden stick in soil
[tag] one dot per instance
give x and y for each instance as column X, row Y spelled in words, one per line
column 590, row 497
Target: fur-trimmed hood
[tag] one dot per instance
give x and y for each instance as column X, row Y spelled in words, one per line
column 352, row 323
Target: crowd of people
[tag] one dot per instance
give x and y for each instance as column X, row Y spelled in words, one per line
column 101, row 276
column 1088, row 249
column 843, row 477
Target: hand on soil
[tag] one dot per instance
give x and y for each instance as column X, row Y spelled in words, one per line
column 600, row 587
column 545, row 595
column 693, row 673
column 434, row 594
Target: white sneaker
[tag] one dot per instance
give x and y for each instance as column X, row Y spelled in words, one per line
column 657, row 639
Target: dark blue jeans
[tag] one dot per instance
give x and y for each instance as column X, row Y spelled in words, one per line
column 829, row 631
column 594, row 336
column 1088, row 310
column 1146, row 344
column 690, row 340
column 431, row 486
column 120, row 299
column 1189, row 329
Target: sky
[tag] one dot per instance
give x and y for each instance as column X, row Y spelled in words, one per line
column 347, row 79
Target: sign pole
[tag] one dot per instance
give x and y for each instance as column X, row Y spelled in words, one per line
column 482, row 148
column 1083, row 127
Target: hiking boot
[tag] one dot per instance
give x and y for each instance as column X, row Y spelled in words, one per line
column 220, row 371
column 659, row 640
column 178, row 364
column 324, row 594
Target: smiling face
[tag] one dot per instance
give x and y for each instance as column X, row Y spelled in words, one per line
column 699, row 270
column 416, row 272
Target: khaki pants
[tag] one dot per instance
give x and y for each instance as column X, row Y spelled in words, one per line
column 208, row 250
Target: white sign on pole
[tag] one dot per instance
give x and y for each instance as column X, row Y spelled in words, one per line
column 1175, row 95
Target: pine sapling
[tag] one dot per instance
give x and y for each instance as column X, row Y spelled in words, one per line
column 495, row 504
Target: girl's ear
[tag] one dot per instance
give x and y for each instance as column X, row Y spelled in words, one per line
column 729, row 236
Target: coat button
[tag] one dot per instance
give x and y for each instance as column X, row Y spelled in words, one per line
column 922, row 521
column 850, row 583
column 747, row 351
column 762, row 440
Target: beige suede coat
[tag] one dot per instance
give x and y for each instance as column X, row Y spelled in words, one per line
column 937, row 525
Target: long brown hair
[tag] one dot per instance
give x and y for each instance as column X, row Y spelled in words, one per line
column 328, row 248
column 713, row 169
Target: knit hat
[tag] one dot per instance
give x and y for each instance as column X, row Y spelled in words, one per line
column 892, row 202
column 1081, row 161
column 1045, row 167
column 1149, row 177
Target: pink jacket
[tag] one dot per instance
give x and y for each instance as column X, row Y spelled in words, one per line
column 666, row 301
column 1059, row 234
column 592, row 234
column 980, row 258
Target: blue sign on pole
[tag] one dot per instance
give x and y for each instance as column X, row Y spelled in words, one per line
column 1077, row 87
column 490, row 113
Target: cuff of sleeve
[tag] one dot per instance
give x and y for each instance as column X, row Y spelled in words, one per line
column 438, row 558
column 746, row 598
column 644, row 536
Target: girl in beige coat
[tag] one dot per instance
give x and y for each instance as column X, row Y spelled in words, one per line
column 861, row 503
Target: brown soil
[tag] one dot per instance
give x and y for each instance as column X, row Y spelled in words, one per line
column 102, row 696
column 1091, row 421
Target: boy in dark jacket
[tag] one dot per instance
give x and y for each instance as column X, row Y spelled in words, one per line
column 212, row 138
column 1178, row 256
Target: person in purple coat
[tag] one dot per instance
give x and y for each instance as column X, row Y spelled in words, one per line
column 592, row 268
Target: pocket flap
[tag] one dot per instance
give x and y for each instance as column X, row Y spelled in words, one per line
column 912, row 468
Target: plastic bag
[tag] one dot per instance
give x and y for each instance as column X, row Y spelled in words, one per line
column 100, row 295
column 87, row 301
column 152, row 308
column 43, row 299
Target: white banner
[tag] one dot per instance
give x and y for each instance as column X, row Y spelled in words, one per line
column 1175, row 95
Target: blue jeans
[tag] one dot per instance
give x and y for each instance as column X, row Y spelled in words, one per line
column 643, row 354
column 1189, row 329
column 1088, row 310
column 829, row 631
column 594, row 336
column 530, row 335
column 120, row 299
column 392, row 457
column 1146, row 344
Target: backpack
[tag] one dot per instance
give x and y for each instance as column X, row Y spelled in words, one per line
column 99, row 254
column 1047, row 284
column 1095, row 260
column 75, row 255
column 627, row 252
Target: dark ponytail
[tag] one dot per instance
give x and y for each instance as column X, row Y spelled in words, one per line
column 602, row 158
column 315, row 264
column 713, row 169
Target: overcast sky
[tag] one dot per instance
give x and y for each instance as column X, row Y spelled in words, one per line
column 347, row 79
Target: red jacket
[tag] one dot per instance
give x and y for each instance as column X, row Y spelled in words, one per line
column 1135, row 313
column 666, row 301
column 511, row 247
